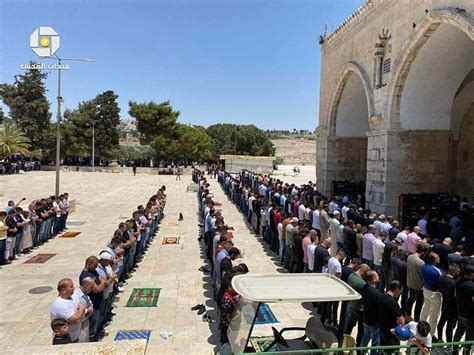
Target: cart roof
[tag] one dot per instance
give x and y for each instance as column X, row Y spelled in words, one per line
column 310, row 287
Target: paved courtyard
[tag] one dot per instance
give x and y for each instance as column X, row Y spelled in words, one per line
column 102, row 201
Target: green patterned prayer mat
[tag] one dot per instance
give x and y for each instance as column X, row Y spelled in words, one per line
column 261, row 343
column 144, row 297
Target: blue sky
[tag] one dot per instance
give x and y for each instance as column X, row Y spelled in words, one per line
column 237, row 61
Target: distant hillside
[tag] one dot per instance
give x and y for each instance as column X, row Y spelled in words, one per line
column 295, row 151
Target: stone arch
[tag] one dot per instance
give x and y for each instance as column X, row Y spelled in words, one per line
column 412, row 46
column 351, row 68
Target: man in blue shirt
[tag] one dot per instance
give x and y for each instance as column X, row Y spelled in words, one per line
column 430, row 275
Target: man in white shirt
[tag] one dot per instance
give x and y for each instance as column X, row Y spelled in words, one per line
column 80, row 295
column 367, row 251
column 333, row 206
column 104, row 269
column 344, row 211
column 65, row 307
column 310, row 253
column 301, row 210
column 280, row 241
column 251, row 199
column 378, row 247
column 334, row 268
column 333, row 228
column 315, row 223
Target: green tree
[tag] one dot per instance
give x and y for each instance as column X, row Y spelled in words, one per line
column 13, row 140
column 28, row 105
column 2, row 116
column 195, row 144
column 103, row 114
column 185, row 143
column 130, row 152
column 239, row 139
column 106, row 120
column 76, row 130
column 153, row 119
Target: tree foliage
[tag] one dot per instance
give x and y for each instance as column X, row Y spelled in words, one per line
column 130, row 152
column 229, row 138
column 154, row 119
column 107, row 119
column 13, row 140
column 101, row 113
column 158, row 126
column 28, row 105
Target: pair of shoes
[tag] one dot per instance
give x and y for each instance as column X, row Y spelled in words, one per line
column 120, row 289
column 196, row 307
column 204, row 269
column 200, row 308
column 207, row 318
column 6, row 262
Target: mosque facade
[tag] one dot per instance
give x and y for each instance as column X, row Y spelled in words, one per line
column 396, row 100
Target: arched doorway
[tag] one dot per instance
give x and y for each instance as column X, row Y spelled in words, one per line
column 435, row 101
column 462, row 126
column 349, row 125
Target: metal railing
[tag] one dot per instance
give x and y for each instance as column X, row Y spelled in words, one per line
column 460, row 348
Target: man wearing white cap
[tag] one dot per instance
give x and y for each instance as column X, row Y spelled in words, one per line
column 104, row 269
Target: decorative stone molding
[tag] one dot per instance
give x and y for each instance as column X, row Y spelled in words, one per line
column 352, row 19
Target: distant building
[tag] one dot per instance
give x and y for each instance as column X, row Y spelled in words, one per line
column 237, row 163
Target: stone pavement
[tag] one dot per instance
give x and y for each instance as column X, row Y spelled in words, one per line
column 104, row 200
column 260, row 260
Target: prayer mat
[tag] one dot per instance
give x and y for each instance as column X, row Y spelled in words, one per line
column 170, row 240
column 70, row 234
column 265, row 315
column 39, row 259
column 144, row 297
column 132, row 334
column 261, row 343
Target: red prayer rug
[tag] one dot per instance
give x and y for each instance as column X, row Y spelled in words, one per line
column 39, row 259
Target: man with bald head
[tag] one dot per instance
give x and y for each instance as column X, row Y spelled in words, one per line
column 81, row 296
column 443, row 250
column 65, row 307
column 96, row 295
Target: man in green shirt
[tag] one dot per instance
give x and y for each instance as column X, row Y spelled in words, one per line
column 355, row 308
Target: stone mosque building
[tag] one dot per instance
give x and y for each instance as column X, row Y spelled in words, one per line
column 396, row 100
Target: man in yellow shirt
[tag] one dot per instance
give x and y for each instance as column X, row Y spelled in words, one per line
column 3, row 239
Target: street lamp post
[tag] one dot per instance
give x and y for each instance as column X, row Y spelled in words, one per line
column 58, row 130
column 58, row 115
column 93, row 146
